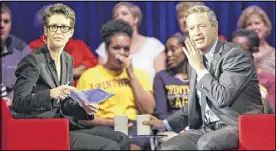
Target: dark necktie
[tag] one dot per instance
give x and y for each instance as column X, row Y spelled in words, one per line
column 203, row 97
column 205, row 61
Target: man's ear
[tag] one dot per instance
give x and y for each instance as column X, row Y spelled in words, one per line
column 72, row 32
column 136, row 19
column 45, row 31
column 215, row 28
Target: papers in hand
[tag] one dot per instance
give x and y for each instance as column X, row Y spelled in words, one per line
column 94, row 96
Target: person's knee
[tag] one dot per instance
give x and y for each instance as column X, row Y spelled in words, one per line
column 110, row 146
column 166, row 147
column 124, row 137
column 124, row 141
column 205, row 143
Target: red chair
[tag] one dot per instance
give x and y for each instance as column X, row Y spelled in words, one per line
column 33, row 134
column 257, row 132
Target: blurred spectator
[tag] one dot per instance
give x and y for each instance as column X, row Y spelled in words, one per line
column 250, row 41
column 255, row 19
column 132, row 88
column 4, row 95
column 181, row 9
column 147, row 53
column 13, row 50
column 81, row 53
column 171, row 86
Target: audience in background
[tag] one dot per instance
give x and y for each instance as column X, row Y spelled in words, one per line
column 254, row 18
column 13, row 50
column 131, row 86
column 81, row 53
column 44, row 83
column 250, row 41
column 147, row 53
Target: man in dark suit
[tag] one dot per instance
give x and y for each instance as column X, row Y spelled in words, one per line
column 42, row 87
column 223, row 86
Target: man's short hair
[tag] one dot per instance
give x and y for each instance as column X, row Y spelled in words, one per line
column 60, row 9
column 5, row 9
column 203, row 9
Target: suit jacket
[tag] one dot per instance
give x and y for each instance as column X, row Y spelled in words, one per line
column 36, row 75
column 231, row 89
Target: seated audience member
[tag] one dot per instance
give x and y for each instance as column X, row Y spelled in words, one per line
column 223, row 86
column 171, row 86
column 250, row 41
column 12, row 51
column 255, row 19
column 132, row 88
column 81, row 53
column 41, row 88
column 4, row 93
column 181, row 9
column 147, row 53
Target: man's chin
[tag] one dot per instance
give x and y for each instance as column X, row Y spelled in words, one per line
column 4, row 38
column 59, row 45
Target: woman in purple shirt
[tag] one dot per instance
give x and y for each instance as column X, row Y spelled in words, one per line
column 171, row 86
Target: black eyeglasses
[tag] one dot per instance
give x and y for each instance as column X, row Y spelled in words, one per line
column 6, row 21
column 54, row 28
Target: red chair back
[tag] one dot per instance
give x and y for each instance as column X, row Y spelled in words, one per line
column 257, row 132
column 5, row 111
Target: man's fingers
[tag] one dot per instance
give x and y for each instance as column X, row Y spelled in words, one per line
column 147, row 122
column 186, row 52
column 193, row 43
column 188, row 45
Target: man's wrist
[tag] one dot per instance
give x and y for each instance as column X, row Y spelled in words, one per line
column 200, row 68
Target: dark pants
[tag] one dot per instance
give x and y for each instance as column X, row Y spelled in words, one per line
column 98, row 138
column 206, row 138
column 142, row 142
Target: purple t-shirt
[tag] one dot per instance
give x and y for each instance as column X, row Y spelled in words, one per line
column 171, row 94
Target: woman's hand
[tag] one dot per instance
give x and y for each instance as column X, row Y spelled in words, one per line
column 90, row 109
column 127, row 63
column 61, row 92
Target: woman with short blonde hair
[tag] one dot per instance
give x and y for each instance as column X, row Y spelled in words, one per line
column 254, row 18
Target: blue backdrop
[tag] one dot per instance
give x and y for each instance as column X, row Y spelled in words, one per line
column 159, row 18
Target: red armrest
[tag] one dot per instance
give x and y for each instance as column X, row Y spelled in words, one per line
column 257, row 132
column 36, row 134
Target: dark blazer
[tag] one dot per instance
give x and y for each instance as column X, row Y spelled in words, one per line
column 231, row 89
column 36, row 75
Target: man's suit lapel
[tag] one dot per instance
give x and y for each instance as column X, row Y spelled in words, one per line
column 217, row 56
column 193, row 100
column 64, row 70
